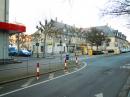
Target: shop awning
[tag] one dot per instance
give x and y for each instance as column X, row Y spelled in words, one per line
column 12, row 27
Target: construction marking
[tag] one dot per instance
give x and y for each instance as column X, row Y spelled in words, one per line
column 28, row 82
column 51, row 75
column 23, row 88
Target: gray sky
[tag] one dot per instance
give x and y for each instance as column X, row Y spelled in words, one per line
column 82, row 13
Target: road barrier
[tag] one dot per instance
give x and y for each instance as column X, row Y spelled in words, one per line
column 65, row 65
column 76, row 59
column 38, row 71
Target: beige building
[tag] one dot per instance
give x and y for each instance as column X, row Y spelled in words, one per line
column 118, row 41
column 67, row 41
column 75, row 41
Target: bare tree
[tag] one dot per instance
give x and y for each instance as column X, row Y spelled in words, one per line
column 95, row 37
column 117, row 7
column 36, row 37
column 48, row 29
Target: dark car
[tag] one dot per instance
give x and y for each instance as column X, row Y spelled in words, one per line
column 24, row 53
column 13, row 51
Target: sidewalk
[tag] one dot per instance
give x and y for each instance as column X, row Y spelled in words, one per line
column 28, row 66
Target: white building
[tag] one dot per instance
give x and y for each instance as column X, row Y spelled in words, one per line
column 67, row 41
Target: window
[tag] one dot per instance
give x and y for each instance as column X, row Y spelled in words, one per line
column 42, row 48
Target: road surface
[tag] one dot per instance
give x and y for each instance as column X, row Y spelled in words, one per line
column 102, row 77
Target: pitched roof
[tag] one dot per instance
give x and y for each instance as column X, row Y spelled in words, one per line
column 107, row 30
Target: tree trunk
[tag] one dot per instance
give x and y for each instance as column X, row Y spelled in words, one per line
column 18, row 42
column 91, row 47
column 53, row 45
column 44, row 51
column 97, row 47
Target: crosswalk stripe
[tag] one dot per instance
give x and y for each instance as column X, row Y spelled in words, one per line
column 28, row 82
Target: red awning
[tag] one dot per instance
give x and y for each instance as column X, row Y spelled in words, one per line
column 12, row 27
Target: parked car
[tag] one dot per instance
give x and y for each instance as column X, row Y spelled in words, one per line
column 24, row 53
column 12, row 51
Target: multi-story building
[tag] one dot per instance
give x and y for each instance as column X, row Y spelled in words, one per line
column 118, row 41
column 69, row 40
column 72, row 39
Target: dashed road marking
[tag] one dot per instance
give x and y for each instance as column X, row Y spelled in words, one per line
column 28, row 82
column 126, row 66
column 51, row 75
column 99, row 95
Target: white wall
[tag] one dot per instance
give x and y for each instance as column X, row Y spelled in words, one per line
column 4, row 45
column 4, row 10
column 4, row 16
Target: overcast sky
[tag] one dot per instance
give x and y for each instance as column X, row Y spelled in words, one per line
column 82, row 13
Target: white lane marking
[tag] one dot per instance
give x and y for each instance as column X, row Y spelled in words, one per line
column 125, row 67
column 127, row 64
column 1, row 95
column 51, row 75
column 99, row 95
column 28, row 82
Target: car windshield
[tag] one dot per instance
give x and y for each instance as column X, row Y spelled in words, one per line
column 64, row 48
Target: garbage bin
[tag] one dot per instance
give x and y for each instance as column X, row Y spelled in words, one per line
column 67, row 56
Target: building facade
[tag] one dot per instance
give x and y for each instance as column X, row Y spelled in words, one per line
column 118, row 41
column 68, row 41
column 73, row 40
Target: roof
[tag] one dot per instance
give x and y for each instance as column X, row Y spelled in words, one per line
column 107, row 30
column 12, row 27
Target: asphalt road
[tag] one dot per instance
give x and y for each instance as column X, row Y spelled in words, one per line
column 102, row 77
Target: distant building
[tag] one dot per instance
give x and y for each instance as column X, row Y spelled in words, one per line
column 25, row 41
column 72, row 39
column 118, row 41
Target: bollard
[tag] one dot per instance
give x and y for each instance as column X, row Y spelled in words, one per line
column 65, row 64
column 38, row 71
column 77, row 61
